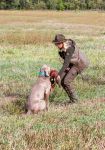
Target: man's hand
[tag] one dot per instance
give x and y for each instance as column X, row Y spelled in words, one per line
column 67, row 70
column 58, row 77
column 58, row 80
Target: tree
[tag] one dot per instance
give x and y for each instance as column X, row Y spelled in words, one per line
column 8, row 4
column 100, row 4
column 2, row 4
column 103, row 5
column 51, row 4
column 60, row 5
column 15, row 4
column 83, row 4
column 40, row 5
column 25, row 4
column 69, row 5
column 77, row 4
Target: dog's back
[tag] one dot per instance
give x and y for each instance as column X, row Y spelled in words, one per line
column 36, row 99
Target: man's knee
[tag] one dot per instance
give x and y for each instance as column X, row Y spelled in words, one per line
column 70, row 77
column 66, row 81
column 62, row 83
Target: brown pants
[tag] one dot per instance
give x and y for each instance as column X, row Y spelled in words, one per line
column 66, row 82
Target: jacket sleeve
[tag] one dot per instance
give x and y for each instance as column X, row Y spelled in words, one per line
column 68, row 56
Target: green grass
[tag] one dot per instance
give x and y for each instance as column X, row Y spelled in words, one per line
column 25, row 45
column 75, row 127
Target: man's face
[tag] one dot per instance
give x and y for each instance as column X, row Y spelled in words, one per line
column 59, row 45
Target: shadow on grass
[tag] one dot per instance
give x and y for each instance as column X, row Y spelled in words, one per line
column 14, row 108
column 93, row 80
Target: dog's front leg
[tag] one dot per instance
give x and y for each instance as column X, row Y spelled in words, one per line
column 47, row 100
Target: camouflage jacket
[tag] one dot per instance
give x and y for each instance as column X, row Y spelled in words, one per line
column 72, row 57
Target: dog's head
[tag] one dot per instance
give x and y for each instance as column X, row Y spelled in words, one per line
column 45, row 71
column 53, row 77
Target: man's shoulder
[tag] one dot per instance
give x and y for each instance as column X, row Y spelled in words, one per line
column 70, row 50
column 69, row 43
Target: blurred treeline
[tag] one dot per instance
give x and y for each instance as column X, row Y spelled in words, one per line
column 53, row 4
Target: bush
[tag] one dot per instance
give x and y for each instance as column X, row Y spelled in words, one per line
column 15, row 4
column 2, row 5
column 40, row 5
column 69, row 6
column 51, row 4
column 83, row 6
column 60, row 5
column 25, row 4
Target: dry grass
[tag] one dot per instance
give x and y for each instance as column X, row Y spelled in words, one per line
column 75, row 127
column 31, row 27
column 84, row 138
column 79, row 17
column 25, row 38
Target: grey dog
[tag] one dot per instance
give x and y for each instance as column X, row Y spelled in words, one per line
column 39, row 97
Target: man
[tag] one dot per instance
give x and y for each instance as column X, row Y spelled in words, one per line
column 74, row 63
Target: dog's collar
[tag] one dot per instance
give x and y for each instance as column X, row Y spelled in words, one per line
column 43, row 74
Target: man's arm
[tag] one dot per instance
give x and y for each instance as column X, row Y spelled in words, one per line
column 68, row 56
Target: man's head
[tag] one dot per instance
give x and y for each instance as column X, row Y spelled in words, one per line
column 59, row 40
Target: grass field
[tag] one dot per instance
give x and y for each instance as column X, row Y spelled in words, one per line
column 25, row 45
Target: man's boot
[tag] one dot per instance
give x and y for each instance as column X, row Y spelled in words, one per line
column 73, row 98
column 72, row 95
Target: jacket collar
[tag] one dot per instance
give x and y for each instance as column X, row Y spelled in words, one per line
column 67, row 44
